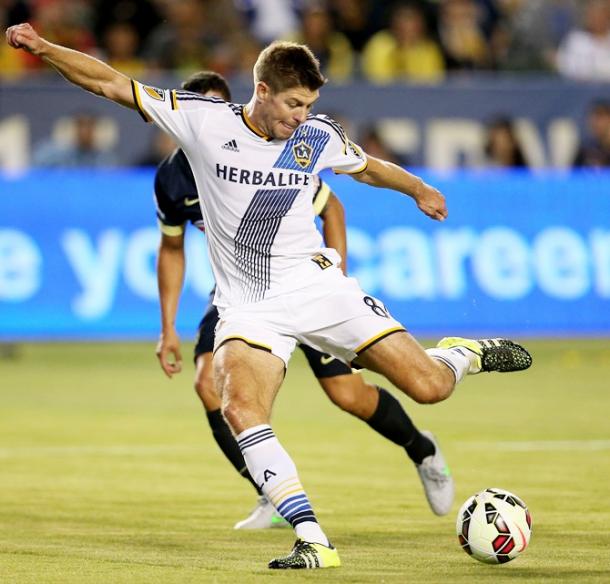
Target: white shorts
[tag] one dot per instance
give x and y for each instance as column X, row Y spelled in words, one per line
column 332, row 314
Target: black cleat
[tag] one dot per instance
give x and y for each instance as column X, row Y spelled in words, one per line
column 499, row 355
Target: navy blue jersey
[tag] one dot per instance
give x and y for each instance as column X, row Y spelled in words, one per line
column 176, row 195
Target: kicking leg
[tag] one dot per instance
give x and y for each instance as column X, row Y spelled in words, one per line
column 405, row 363
column 430, row 376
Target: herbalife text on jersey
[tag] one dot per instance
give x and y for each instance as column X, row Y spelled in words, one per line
column 274, row 178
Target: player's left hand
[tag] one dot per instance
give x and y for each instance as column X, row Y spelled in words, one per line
column 168, row 353
column 431, row 202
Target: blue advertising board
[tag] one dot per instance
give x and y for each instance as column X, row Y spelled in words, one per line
column 520, row 253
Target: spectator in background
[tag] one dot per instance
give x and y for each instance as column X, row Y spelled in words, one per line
column 331, row 47
column 120, row 45
column 143, row 15
column 268, row 20
column 12, row 12
column 404, row 51
column 585, row 53
column 81, row 150
column 356, row 19
column 502, row 148
column 194, row 35
column 460, row 29
column 528, row 38
column 595, row 149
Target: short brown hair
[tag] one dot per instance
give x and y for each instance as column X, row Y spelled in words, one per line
column 283, row 65
column 204, row 81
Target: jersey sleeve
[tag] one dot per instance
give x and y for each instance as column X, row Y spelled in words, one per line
column 341, row 154
column 171, row 110
column 169, row 221
column 321, row 197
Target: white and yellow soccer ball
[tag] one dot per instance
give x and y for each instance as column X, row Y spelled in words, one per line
column 494, row 526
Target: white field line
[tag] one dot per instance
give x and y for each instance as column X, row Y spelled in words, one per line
column 116, row 450
column 536, row 445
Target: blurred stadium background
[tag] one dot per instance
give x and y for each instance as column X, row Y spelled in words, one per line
column 503, row 104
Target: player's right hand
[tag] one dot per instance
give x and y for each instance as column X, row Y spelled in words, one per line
column 23, row 36
column 168, row 353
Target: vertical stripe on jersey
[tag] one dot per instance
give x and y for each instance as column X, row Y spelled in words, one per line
column 255, row 236
column 315, row 138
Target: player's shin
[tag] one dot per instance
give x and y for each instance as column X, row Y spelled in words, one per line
column 276, row 474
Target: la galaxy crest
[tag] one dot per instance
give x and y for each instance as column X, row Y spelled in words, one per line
column 302, row 153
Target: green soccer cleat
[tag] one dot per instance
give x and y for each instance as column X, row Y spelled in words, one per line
column 499, row 355
column 307, row 556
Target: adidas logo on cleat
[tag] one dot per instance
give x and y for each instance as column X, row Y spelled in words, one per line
column 231, row 145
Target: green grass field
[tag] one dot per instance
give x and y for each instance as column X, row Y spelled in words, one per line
column 109, row 474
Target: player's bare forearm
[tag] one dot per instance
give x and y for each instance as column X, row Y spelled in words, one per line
column 83, row 70
column 170, row 277
column 381, row 173
column 333, row 228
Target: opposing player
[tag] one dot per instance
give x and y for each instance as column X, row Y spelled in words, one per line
column 276, row 283
column 177, row 204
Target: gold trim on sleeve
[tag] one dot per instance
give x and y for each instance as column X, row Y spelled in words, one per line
column 136, row 97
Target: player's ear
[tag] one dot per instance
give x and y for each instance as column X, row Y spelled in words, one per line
column 263, row 91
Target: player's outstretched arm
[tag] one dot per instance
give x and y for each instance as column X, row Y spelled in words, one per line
column 82, row 70
column 381, row 173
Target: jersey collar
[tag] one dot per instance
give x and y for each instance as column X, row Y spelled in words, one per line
column 250, row 125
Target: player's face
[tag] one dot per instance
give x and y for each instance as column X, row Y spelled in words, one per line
column 283, row 112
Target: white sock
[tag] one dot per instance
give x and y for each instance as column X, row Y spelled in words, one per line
column 456, row 358
column 275, row 473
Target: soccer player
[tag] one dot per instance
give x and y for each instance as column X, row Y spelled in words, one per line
column 276, row 283
column 177, row 204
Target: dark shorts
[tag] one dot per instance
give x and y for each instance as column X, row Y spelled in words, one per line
column 321, row 364
column 324, row 365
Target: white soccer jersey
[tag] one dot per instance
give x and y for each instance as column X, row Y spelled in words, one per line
column 257, row 208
